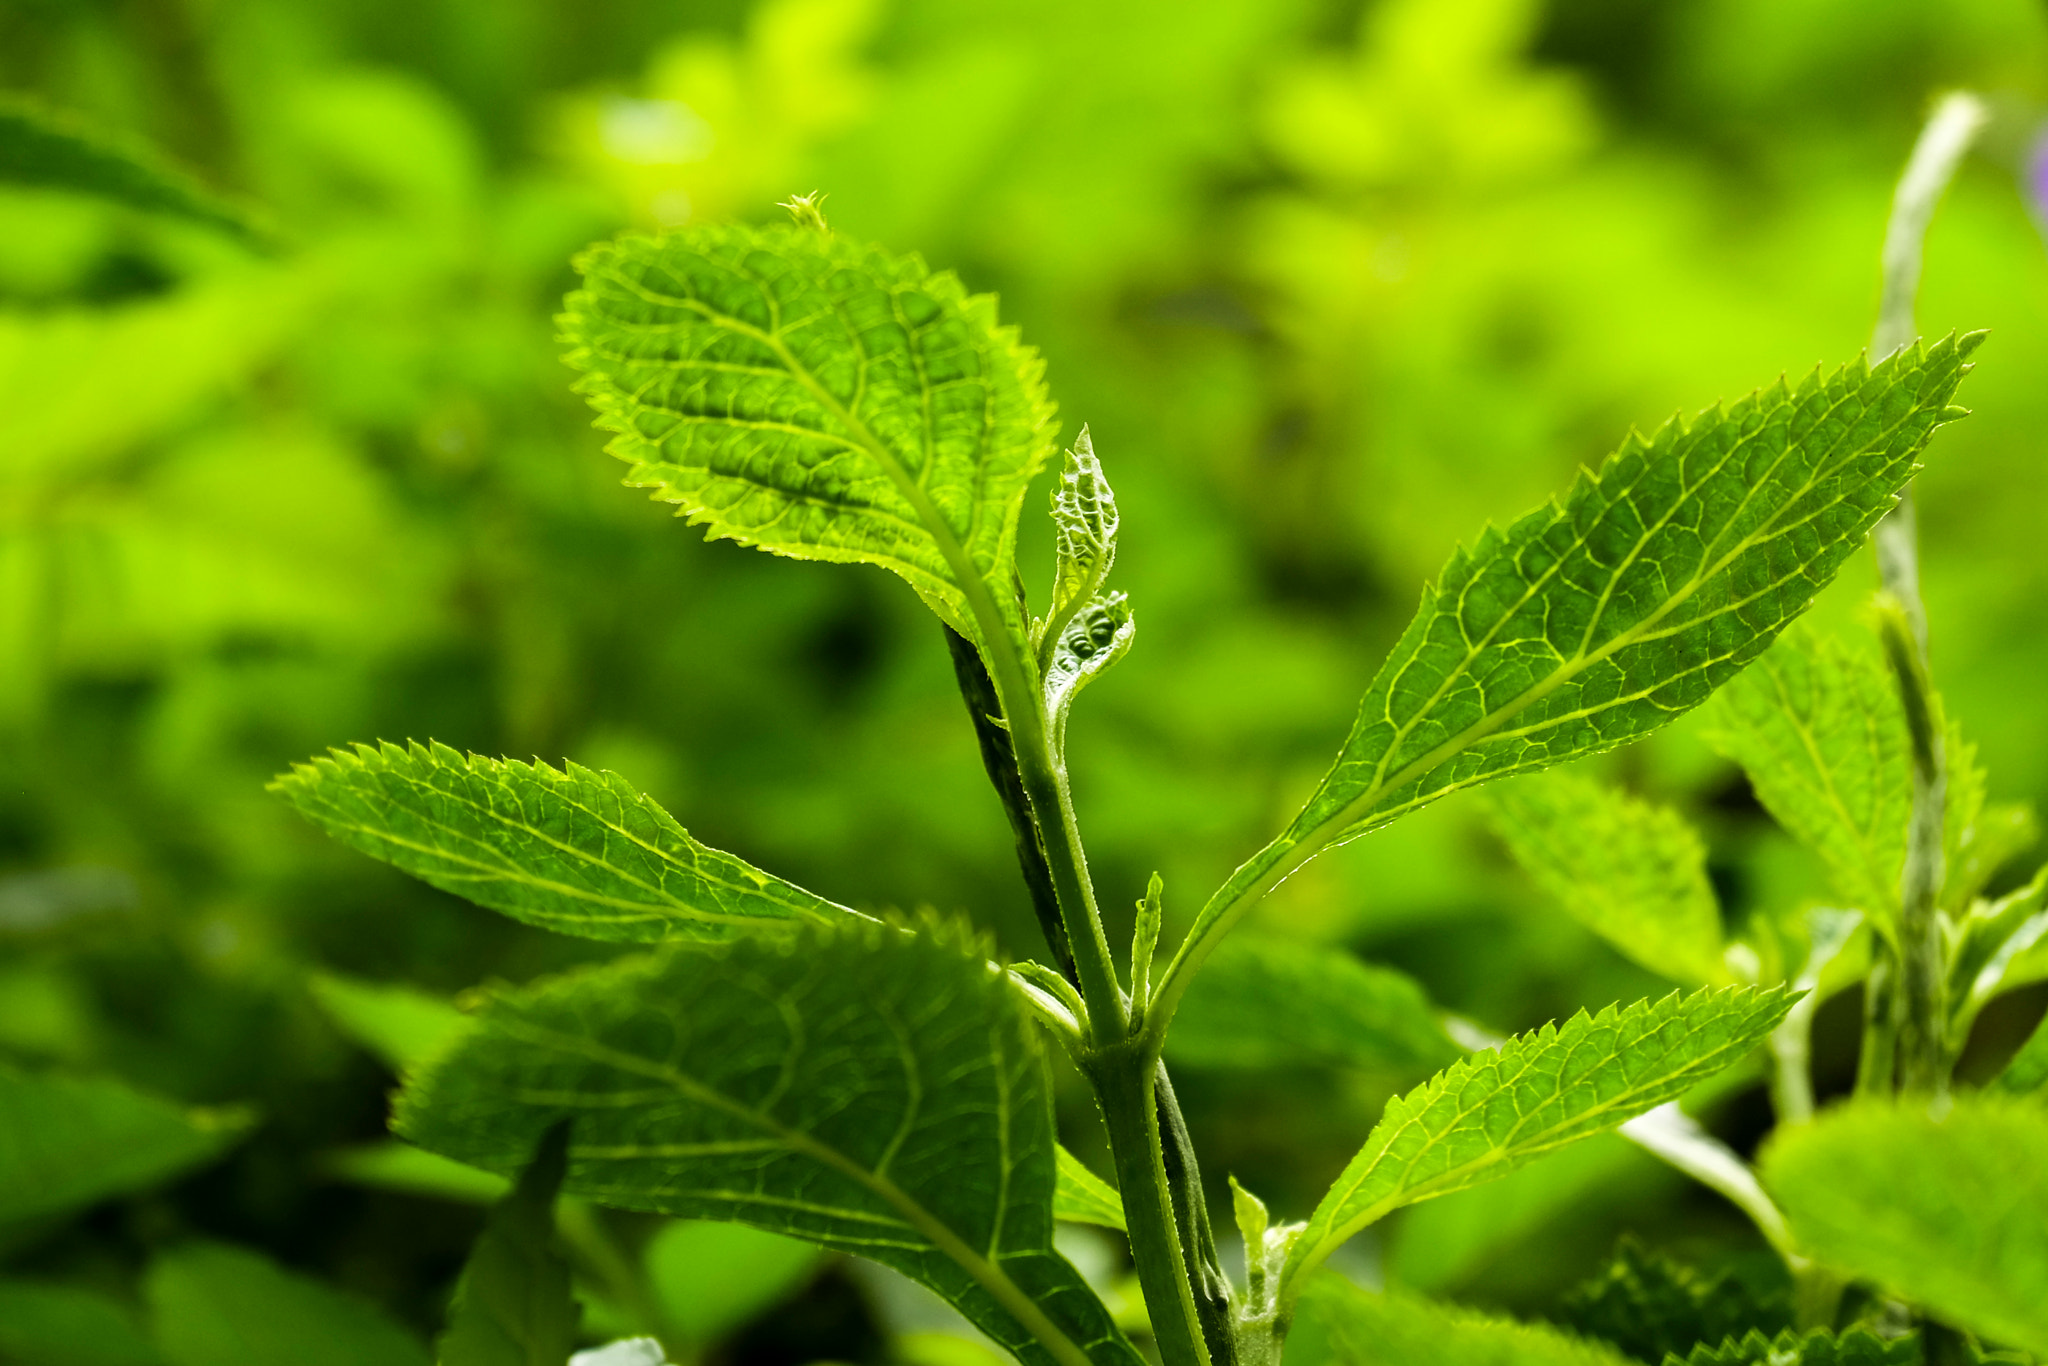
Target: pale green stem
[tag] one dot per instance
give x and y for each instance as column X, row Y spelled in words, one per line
column 1919, row 1011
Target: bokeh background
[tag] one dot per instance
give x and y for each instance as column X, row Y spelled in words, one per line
column 1334, row 285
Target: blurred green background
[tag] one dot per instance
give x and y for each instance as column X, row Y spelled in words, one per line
column 1334, row 284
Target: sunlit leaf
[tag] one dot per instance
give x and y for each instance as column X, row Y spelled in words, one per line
column 818, row 398
column 1633, row 873
column 1082, row 1197
column 1495, row 1110
column 1950, row 1212
column 1817, row 726
column 575, row 851
column 1339, row 1324
column 860, row 1087
column 1855, row 1347
column 401, row 1024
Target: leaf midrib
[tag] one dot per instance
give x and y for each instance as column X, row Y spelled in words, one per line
column 986, row 1273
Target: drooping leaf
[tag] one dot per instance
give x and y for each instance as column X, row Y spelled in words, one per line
column 401, row 1024
column 512, row 1306
column 67, row 1142
column 1084, row 525
column 47, row 150
column 1596, row 619
column 710, row 1277
column 1854, row 1347
column 1265, row 1003
column 863, row 1088
column 1950, row 1213
column 1495, row 1110
column 575, row 851
column 50, row 1323
column 814, row 397
column 1816, row 725
column 1633, row 873
column 1651, row 1306
column 216, row 1305
column 1082, row 1197
column 1339, row 1324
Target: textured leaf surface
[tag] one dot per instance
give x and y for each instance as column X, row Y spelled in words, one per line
column 1633, row 873
column 1596, row 619
column 1082, row 1197
column 575, row 851
column 817, row 398
column 215, row 1305
column 1651, row 1306
column 1493, row 1111
column 1950, row 1213
column 872, row 1091
column 1265, row 1003
column 67, row 1142
column 1817, row 727
column 1339, row 1324
column 1855, row 1347
column 1084, row 525
column 49, row 151
column 512, row 1306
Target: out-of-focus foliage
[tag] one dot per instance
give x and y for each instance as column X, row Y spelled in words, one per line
column 1335, row 284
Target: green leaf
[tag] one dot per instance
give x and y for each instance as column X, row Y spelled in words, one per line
column 863, row 1088
column 1651, row 1306
column 711, row 1277
column 1082, row 1197
column 1596, row 619
column 1997, row 946
column 1098, row 636
column 50, row 151
column 51, row 1324
column 1264, row 1003
column 68, row 1142
column 821, row 399
column 1633, row 873
column 1949, row 1213
column 400, row 1024
column 393, row 1166
column 1494, row 1111
column 1817, row 726
column 513, row 1306
column 575, row 851
column 215, row 1305
column 1339, row 1324
column 1854, row 1347
column 2027, row 1073
column 1084, row 525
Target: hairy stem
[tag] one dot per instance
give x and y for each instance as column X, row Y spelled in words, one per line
column 1919, row 1010
column 1125, row 1080
column 1207, row 1280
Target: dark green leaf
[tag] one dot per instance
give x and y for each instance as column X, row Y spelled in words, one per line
column 66, row 1142
column 45, row 1323
column 2027, row 1073
column 1855, row 1347
column 512, row 1306
column 49, row 151
column 867, row 1089
column 1650, row 1306
column 1950, row 1213
column 1496, row 1110
column 575, row 851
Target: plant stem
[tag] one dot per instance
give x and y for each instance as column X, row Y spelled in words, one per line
column 1125, row 1078
column 1918, row 1009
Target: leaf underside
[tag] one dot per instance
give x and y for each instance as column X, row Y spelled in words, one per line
column 1951, row 1213
column 865, row 1089
column 1493, row 1111
column 574, row 851
column 820, row 399
column 1596, row 619
column 1633, row 873
column 1082, row 1197
column 1817, row 727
